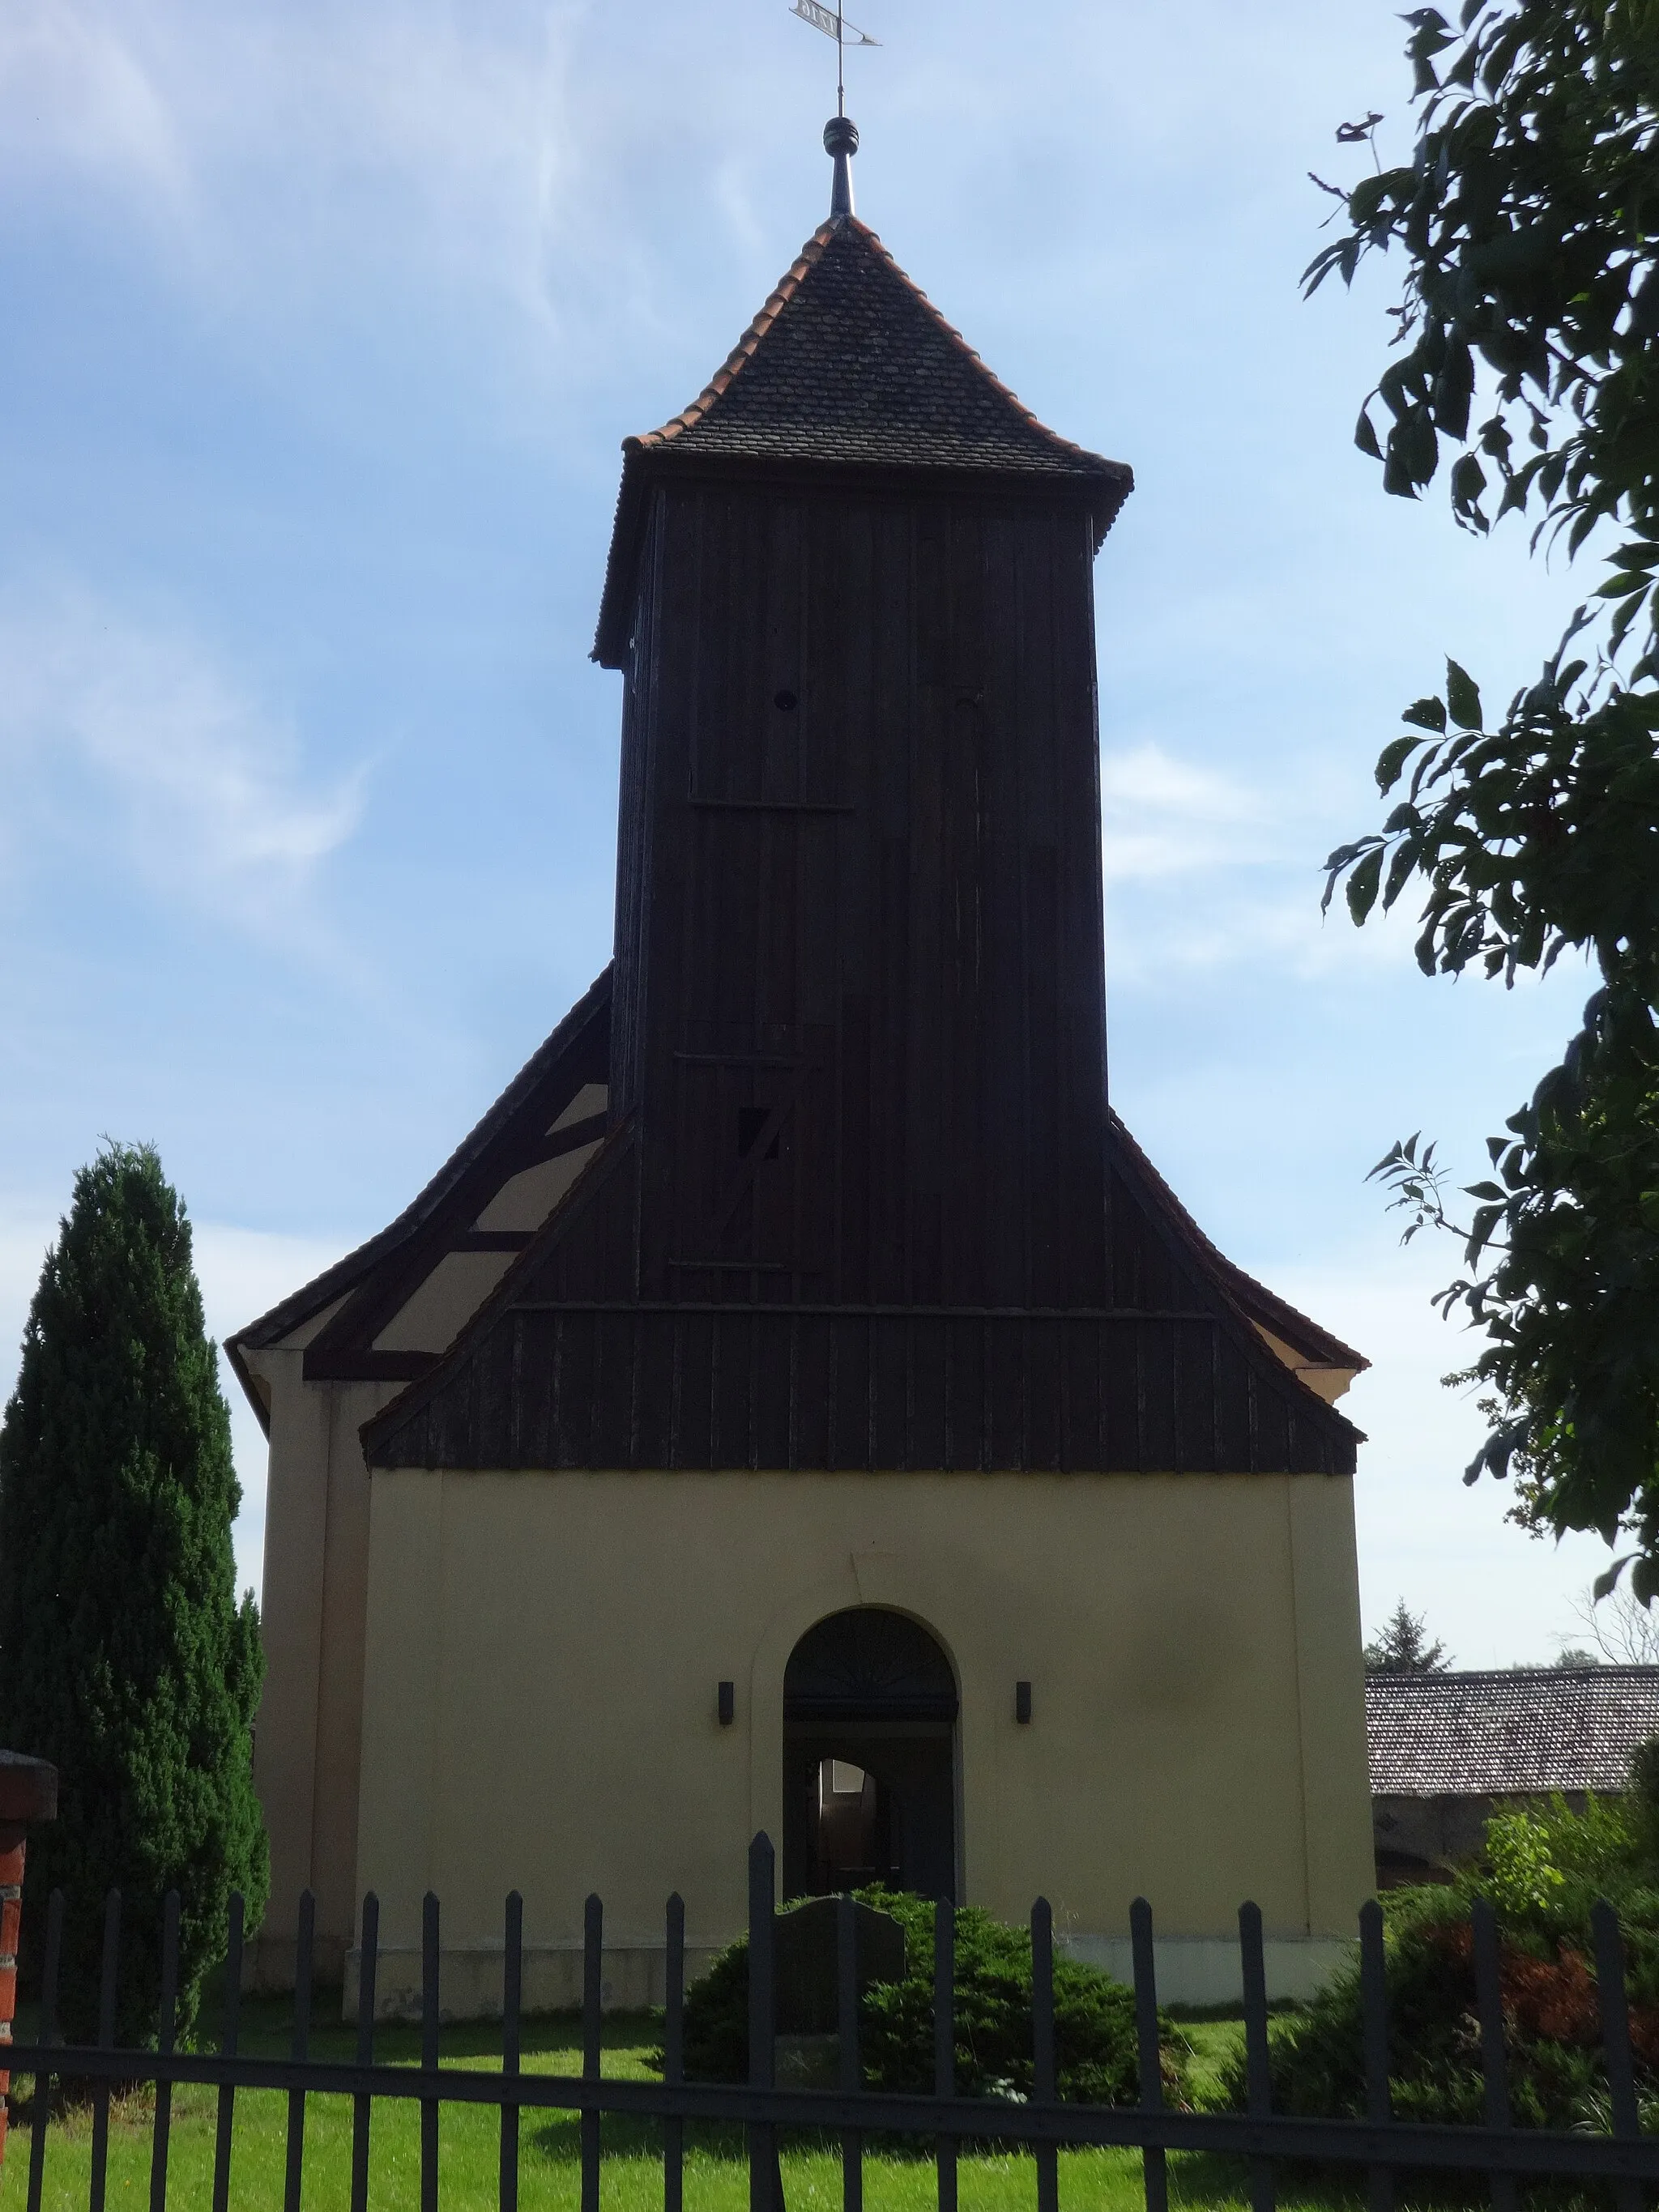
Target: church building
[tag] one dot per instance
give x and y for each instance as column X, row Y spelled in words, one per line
column 800, row 1404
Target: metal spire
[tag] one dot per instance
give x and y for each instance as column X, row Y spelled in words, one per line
column 841, row 137
column 841, row 143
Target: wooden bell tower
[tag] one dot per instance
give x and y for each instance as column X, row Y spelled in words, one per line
column 859, row 986
column 861, row 1202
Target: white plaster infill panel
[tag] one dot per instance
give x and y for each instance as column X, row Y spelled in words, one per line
column 592, row 1098
column 437, row 1311
column 297, row 1338
column 524, row 1201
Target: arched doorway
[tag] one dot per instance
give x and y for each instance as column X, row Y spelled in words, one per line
column 869, row 1758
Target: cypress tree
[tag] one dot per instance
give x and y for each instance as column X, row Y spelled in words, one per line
column 124, row 1656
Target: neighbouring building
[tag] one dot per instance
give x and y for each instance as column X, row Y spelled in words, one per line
column 799, row 1404
column 1447, row 1751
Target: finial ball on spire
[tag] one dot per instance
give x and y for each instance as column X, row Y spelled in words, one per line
column 841, row 143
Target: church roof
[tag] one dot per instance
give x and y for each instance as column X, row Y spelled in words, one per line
column 1316, row 1345
column 620, row 1381
column 850, row 364
column 485, row 1157
column 353, row 1299
column 1515, row 1733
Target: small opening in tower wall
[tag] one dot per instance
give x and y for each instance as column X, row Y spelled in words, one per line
column 752, row 1120
column 786, row 701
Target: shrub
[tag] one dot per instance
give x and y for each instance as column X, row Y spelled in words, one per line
column 1542, row 1871
column 1095, row 2045
column 1553, row 2031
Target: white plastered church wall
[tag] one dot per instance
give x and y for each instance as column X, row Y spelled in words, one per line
column 542, row 1653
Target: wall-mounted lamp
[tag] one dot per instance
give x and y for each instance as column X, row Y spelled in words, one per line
column 1023, row 1703
column 728, row 1704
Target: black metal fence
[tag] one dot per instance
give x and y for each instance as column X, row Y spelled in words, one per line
column 1378, row 2145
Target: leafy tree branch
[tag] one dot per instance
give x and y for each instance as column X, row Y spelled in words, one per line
column 1527, row 218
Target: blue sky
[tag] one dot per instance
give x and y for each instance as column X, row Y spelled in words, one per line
column 323, row 326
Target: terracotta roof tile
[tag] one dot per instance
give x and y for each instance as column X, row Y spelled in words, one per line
column 1513, row 1734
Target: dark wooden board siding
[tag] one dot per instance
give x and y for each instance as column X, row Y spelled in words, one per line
column 878, row 905
column 735, row 1387
column 857, row 1207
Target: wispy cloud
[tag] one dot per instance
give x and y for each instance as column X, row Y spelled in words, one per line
column 126, row 740
column 1164, row 816
column 75, row 90
column 1204, row 871
column 279, row 147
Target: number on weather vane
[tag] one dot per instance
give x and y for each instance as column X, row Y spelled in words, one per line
column 833, row 25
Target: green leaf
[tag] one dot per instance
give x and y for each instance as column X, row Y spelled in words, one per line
column 1625, row 616
column 1486, row 1219
column 1362, row 884
column 1469, row 480
column 1426, row 714
column 1366, row 437
column 1402, row 867
column 1391, row 759
column 1462, row 698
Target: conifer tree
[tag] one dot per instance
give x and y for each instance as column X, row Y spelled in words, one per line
column 1404, row 1647
column 125, row 1658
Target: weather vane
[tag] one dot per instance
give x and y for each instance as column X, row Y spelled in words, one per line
column 835, row 25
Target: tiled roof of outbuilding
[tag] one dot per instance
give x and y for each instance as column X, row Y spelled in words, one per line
column 1498, row 1735
column 848, row 360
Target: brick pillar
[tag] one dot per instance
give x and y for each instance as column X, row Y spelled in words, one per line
column 28, row 1793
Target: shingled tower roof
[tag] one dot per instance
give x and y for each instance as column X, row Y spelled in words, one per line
column 848, row 360
column 850, row 365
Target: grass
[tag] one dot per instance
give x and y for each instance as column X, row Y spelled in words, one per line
column 716, row 2176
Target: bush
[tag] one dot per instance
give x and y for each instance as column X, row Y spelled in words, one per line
column 1553, row 2033
column 1542, row 1871
column 1095, row 2045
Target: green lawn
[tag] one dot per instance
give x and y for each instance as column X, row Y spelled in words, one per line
column 550, row 2175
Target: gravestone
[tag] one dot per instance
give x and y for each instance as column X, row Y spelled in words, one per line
column 805, row 1961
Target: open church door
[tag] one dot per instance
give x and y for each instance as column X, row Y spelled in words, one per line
column 869, row 1758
